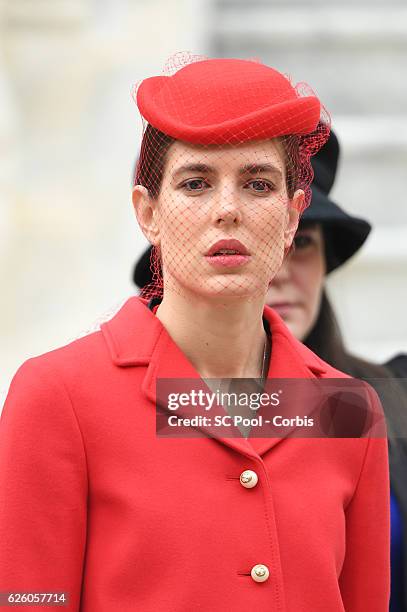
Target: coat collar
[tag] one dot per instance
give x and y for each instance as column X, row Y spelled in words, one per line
column 136, row 337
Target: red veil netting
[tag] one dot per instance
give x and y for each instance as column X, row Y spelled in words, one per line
column 247, row 135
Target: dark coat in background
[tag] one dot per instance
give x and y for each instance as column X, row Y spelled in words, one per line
column 396, row 419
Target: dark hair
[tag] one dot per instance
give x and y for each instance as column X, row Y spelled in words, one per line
column 151, row 162
column 325, row 339
column 155, row 146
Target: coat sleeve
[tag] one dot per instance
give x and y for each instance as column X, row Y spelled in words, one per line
column 43, row 488
column 365, row 576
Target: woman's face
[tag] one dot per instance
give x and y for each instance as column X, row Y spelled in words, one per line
column 295, row 293
column 223, row 218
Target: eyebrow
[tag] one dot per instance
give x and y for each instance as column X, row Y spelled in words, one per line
column 259, row 169
column 251, row 169
column 200, row 168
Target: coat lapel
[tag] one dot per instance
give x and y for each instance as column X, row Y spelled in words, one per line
column 136, row 337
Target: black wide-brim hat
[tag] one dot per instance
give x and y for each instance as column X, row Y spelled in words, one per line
column 344, row 234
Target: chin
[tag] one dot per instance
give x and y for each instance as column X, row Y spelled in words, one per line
column 296, row 329
column 223, row 287
column 293, row 325
column 236, row 286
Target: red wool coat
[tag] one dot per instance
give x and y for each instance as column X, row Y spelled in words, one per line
column 93, row 503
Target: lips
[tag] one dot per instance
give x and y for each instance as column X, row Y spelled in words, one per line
column 281, row 304
column 283, row 308
column 227, row 248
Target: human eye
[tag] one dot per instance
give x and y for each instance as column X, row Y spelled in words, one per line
column 302, row 241
column 260, row 186
column 194, row 185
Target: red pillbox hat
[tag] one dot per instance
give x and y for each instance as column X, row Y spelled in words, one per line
column 226, row 101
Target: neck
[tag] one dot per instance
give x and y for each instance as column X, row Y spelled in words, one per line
column 222, row 339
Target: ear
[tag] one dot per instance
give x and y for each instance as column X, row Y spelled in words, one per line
column 145, row 208
column 295, row 206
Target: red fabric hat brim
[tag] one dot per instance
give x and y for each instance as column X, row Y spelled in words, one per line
column 298, row 115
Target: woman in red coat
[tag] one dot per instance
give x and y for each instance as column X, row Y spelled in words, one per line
column 93, row 503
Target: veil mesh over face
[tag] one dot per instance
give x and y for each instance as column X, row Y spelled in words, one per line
column 223, row 173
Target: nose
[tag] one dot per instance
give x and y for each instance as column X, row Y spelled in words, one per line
column 226, row 210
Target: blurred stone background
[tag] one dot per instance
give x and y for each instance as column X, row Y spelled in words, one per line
column 69, row 135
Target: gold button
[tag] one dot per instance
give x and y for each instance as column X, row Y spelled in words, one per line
column 248, row 479
column 260, row 573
